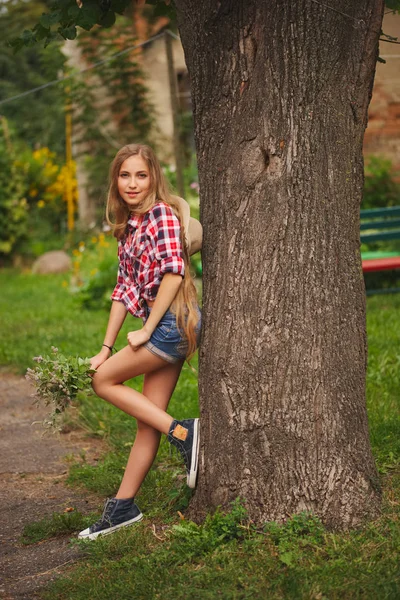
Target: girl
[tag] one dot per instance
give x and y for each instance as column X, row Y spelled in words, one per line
column 153, row 283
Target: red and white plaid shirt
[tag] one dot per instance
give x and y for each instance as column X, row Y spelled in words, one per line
column 150, row 248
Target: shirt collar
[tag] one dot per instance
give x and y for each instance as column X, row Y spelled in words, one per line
column 134, row 221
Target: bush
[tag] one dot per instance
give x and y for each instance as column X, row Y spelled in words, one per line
column 13, row 205
column 96, row 291
column 47, row 181
column 380, row 186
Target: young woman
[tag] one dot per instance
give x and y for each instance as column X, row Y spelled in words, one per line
column 153, row 283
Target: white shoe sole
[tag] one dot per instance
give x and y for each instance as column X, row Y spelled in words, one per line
column 86, row 535
column 192, row 475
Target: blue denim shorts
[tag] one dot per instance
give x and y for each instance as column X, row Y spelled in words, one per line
column 166, row 340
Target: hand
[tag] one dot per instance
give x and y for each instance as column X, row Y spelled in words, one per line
column 138, row 338
column 100, row 358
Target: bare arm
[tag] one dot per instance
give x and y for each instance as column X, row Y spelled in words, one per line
column 167, row 291
column 117, row 316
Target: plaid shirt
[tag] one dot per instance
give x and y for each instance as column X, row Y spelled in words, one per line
column 150, row 247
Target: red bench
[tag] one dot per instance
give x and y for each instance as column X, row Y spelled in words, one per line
column 380, row 264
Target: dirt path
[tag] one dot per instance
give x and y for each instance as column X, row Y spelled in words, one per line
column 32, row 486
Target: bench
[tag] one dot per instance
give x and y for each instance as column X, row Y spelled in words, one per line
column 380, row 224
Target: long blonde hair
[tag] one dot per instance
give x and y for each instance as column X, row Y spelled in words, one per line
column 185, row 303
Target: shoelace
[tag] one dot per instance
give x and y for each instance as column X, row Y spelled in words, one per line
column 106, row 512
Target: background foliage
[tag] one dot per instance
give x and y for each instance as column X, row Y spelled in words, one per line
column 13, row 204
column 36, row 120
column 381, row 183
column 111, row 106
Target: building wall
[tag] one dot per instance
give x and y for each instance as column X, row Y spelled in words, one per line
column 382, row 136
column 154, row 61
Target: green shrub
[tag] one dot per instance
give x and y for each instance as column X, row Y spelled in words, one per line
column 380, row 186
column 190, row 541
column 13, row 205
column 96, row 291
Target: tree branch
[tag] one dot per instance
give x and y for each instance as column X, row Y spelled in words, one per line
column 388, row 41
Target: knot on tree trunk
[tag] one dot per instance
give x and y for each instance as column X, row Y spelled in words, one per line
column 259, row 161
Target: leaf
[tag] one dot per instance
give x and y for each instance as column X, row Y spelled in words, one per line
column 181, row 529
column 89, row 15
column 28, row 37
column 53, row 35
column 62, row 4
column 395, row 4
column 16, row 44
column 286, row 558
column 74, row 11
column 68, row 33
column 49, row 19
column 119, row 6
column 108, row 19
column 163, row 9
column 41, row 32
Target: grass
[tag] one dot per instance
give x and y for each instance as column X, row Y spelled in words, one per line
column 57, row 524
column 37, row 312
column 383, row 379
column 226, row 557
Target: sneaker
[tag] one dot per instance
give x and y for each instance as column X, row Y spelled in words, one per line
column 117, row 513
column 185, row 435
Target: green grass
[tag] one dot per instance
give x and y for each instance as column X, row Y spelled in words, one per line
column 37, row 312
column 227, row 558
column 55, row 525
column 383, row 379
column 164, row 557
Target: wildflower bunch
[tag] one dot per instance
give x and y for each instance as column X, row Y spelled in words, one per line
column 57, row 380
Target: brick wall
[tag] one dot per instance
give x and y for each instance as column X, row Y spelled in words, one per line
column 382, row 136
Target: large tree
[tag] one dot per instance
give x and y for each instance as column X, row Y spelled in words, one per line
column 280, row 92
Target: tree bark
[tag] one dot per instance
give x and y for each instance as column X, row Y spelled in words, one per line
column 280, row 92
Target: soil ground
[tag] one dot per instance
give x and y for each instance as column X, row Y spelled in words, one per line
column 33, row 469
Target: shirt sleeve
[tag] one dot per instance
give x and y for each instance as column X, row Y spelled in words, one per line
column 164, row 228
column 121, row 290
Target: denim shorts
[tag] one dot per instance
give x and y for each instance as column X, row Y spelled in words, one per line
column 166, row 340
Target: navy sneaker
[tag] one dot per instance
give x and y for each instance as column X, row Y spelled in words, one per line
column 185, row 435
column 117, row 513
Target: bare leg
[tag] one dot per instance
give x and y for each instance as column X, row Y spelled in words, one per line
column 126, row 364
column 158, row 387
column 160, row 380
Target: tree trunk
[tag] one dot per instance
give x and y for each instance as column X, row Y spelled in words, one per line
column 86, row 204
column 280, row 92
